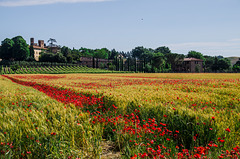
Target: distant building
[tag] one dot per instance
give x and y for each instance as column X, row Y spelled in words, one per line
column 41, row 47
column 192, row 65
column 38, row 48
column 88, row 61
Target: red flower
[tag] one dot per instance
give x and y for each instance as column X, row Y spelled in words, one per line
column 135, row 156
column 228, row 130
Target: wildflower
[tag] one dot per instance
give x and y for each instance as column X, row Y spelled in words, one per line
column 135, row 156
column 114, row 106
column 228, row 130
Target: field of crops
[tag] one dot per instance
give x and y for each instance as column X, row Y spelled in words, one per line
column 125, row 115
column 52, row 70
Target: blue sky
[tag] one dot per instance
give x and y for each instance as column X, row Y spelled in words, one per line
column 211, row 27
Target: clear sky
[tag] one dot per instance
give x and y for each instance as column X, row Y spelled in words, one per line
column 211, row 27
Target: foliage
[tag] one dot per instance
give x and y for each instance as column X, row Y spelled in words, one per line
column 138, row 51
column 236, row 67
column 221, row 64
column 163, row 49
column 20, row 48
column 6, row 50
column 51, row 42
column 195, row 54
column 174, row 59
column 51, row 57
column 31, row 51
column 101, row 53
column 158, row 60
column 113, row 54
column 139, row 59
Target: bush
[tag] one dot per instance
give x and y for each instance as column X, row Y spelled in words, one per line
column 50, row 57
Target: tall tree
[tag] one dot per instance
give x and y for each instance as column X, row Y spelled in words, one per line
column 195, row 54
column 138, row 51
column 113, row 54
column 66, row 51
column 31, row 50
column 209, row 62
column 6, row 51
column 163, row 50
column 20, row 48
column 158, row 61
column 174, row 59
column 224, row 64
column 51, row 42
column 101, row 54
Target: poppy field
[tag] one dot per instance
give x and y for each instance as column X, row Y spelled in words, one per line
column 142, row 115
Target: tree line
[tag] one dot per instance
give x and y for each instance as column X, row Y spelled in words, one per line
column 140, row 58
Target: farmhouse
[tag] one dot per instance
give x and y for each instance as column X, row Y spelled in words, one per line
column 192, row 65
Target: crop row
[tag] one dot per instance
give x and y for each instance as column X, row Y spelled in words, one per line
column 53, row 70
column 153, row 116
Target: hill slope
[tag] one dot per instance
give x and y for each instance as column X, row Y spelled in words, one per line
column 233, row 60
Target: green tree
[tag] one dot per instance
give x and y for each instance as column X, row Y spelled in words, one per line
column 163, row 50
column 86, row 52
column 158, row 61
column 224, row 64
column 51, row 42
column 50, row 57
column 101, row 54
column 138, row 51
column 6, row 51
column 195, row 54
column 20, row 49
column 67, row 52
column 31, row 50
column 236, row 67
column 113, row 54
column 147, row 57
column 174, row 59
column 209, row 62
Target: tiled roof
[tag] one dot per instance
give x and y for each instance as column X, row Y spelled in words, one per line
column 38, row 47
column 192, row 59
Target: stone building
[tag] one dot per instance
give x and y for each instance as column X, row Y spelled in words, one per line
column 38, row 48
column 192, row 65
